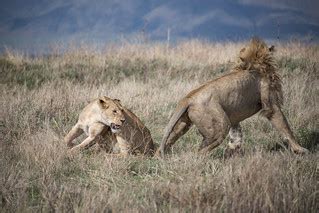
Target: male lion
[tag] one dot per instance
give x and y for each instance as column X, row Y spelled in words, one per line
column 218, row 106
column 106, row 122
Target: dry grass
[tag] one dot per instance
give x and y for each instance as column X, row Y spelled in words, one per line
column 41, row 98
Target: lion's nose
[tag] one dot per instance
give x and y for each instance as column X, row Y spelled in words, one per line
column 123, row 120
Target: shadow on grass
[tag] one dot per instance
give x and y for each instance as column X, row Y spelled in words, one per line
column 308, row 139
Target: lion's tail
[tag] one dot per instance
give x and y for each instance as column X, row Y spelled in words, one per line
column 179, row 111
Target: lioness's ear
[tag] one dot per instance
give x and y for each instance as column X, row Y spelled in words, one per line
column 272, row 48
column 119, row 104
column 117, row 100
column 103, row 104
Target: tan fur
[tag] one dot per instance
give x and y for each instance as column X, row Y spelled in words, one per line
column 219, row 106
column 134, row 137
column 96, row 121
column 98, row 117
column 258, row 57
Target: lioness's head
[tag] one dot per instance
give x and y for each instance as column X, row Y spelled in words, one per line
column 255, row 51
column 112, row 113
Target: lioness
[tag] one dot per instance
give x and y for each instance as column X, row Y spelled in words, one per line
column 134, row 137
column 217, row 107
column 93, row 120
column 106, row 122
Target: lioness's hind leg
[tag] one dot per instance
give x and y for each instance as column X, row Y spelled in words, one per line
column 124, row 146
column 106, row 141
column 279, row 121
column 75, row 132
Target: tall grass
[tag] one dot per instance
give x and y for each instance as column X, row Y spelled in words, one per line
column 42, row 96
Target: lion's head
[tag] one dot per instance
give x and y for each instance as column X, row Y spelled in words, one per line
column 258, row 57
column 256, row 52
column 112, row 113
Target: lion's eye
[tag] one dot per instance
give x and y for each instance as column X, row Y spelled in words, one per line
column 114, row 111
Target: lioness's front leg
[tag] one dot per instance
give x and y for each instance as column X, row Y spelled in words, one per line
column 75, row 132
column 123, row 145
column 94, row 130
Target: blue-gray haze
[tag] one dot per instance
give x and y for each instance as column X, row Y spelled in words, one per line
column 34, row 25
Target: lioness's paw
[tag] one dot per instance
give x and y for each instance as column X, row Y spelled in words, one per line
column 301, row 151
column 72, row 152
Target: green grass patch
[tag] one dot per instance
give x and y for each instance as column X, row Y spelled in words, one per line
column 30, row 75
column 292, row 64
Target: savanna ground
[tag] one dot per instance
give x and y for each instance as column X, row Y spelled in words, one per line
column 42, row 96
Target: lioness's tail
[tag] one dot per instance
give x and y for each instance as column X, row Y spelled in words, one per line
column 179, row 111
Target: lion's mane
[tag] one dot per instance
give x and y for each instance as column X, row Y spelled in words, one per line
column 259, row 58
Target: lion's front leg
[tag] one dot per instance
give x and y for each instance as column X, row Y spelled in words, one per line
column 278, row 120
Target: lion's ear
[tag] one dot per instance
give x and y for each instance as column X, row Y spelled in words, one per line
column 103, row 104
column 241, row 52
column 272, row 48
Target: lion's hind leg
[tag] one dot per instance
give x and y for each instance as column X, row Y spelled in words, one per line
column 235, row 141
column 213, row 125
column 235, row 137
column 180, row 128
